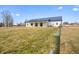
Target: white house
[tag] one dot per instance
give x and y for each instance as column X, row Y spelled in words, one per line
column 45, row 22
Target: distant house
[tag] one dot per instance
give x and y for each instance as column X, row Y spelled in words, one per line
column 45, row 22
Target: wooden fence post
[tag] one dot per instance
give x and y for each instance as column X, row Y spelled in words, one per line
column 57, row 43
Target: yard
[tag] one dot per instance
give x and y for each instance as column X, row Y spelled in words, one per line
column 22, row 40
column 70, row 40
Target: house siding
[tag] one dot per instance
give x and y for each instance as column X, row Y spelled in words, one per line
column 55, row 23
column 44, row 24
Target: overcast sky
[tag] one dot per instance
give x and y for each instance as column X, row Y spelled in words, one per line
column 69, row 13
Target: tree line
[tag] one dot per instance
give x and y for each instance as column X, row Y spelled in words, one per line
column 7, row 19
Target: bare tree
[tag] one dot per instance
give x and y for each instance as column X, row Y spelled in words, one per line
column 1, row 24
column 7, row 18
column 65, row 23
column 25, row 22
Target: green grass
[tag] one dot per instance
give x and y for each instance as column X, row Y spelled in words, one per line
column 23, row 40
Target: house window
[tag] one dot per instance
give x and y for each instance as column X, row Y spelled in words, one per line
column 56, row 23
column 31, row 24
column 36, row 24
column 41, row 24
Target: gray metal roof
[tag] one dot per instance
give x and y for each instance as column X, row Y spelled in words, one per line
column 59, row 18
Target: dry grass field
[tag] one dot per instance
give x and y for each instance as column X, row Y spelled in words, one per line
column 22, row 40
column 70, row 40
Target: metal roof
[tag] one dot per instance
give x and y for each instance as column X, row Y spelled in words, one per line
column 59, row 18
